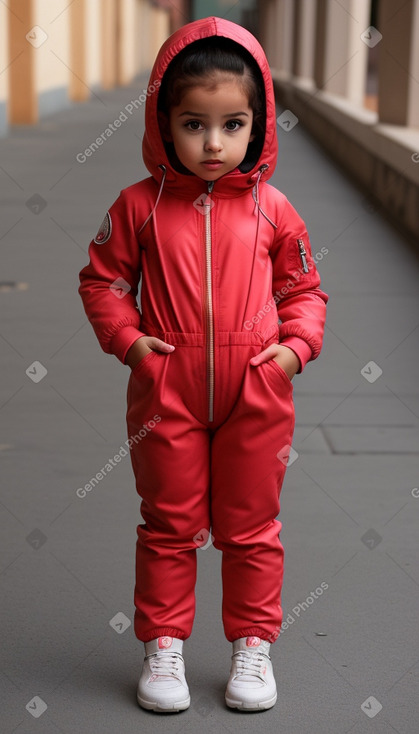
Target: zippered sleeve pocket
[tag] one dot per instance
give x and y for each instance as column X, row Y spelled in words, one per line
column 299, row 254
column 303, row 255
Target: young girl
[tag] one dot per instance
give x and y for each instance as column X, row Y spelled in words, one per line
column 230, row 310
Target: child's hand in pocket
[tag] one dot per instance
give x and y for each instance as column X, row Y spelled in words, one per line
column 284, row 356
column 143, row 346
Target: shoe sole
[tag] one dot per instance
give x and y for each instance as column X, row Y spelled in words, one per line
column 169, row 709
column 243, row 706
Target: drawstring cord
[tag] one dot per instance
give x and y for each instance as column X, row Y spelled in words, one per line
column 262, row 169
column 260, row 211
column 163, row 168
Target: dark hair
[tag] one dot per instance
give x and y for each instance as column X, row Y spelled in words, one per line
column 201, row 63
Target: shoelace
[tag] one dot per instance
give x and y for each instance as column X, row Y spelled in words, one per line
column 250, row 663
column 164, row 663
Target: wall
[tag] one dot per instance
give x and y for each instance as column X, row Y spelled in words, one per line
column 321, row 78
column 53, row 54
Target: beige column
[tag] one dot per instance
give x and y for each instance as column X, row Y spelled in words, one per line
column 141, row 35
column 279, row 36
column 23, row 101
column 341, row 55
column 273, row 34
column 397, row 91
column 263, row 24
column 128, row 37
column 413, row 89
column 304, row 38
column 296, row 26
column 320, row 43
column 78, row 85
column 109, row 20
column 160, row 30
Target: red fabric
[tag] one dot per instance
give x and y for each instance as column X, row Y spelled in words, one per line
column 191, row 479
column 191, row 470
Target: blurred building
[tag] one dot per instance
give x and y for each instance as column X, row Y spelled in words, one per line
column 55, row 53
column 348, row 70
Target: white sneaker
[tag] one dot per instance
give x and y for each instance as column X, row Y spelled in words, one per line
column 251, row 685
column 162, row 685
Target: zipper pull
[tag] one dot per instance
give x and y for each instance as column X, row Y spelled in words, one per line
column 303, row 254
column 210, row 186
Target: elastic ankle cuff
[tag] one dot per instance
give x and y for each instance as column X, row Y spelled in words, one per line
column 252, row 632
column 162, row 632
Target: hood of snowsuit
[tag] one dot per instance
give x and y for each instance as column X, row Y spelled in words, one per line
column 154, row 152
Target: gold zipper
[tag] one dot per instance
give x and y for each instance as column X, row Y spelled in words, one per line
column 209, row 304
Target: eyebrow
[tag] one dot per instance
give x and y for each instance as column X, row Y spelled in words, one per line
column 200, row 114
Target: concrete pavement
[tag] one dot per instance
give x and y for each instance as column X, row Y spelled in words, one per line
column 348, row 660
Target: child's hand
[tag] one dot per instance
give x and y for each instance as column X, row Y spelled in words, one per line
column 284, row 356
column 143, row 346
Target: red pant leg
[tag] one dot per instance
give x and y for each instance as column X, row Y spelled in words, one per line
column 247, row 478
column 171, row 467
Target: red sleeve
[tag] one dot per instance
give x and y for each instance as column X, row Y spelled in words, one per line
column 300, row 303
column 109, row 283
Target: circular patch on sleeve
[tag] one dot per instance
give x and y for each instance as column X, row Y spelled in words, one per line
column 105, row 230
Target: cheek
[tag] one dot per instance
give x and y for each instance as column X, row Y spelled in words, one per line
column 186, row 143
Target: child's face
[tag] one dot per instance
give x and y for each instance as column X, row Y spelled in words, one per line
column 212, row 125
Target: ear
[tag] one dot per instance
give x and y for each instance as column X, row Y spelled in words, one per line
column 164, row 126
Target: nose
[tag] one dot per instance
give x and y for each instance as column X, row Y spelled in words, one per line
column 213, row 140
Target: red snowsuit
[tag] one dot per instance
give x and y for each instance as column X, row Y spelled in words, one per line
column 210, row 431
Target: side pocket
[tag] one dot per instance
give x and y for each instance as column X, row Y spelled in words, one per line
column 144, row 362
column 276, row 371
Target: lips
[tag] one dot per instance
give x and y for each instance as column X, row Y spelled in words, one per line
column 212, row 165
column 212, row 161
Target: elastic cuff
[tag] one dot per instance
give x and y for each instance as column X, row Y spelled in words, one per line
column 253, row 632
column 123, row 340
column 301, row 349
column 162, row 632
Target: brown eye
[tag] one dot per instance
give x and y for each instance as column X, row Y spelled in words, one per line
column 193, row 125
column 233, row 125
